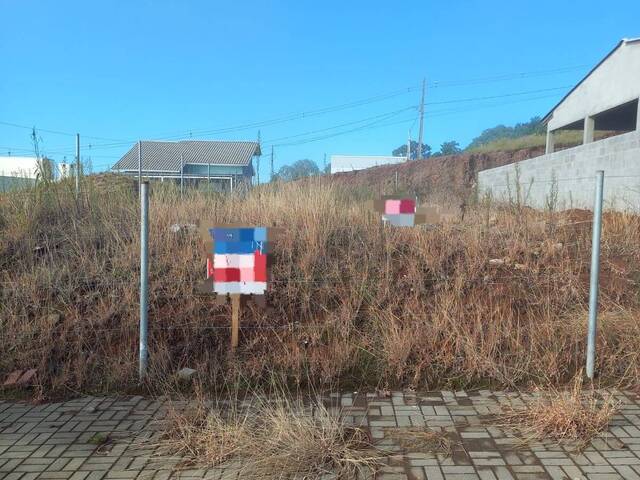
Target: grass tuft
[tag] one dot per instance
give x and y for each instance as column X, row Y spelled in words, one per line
column 421, row 439
column 572, row 417
column 271, row 438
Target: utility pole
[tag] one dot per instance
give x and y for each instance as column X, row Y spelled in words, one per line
column 424, row 86
column 409, row 145
column 271, row 177
column 324, row 164
column 77, row 165
column 258, row 160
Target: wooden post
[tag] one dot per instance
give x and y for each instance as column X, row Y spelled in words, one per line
column 235, row 320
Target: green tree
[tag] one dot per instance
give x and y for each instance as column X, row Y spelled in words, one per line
column 533, row 126
column 298, row 169
column 449, row 148
column 401, row 151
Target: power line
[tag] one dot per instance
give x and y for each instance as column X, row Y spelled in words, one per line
column 376, row 124
column 508, row 76
column 55, row 132
column 303, row 114
column 378, row 121
column 444, row 102
column 262, row 123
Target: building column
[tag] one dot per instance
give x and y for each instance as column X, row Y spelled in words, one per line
column 638, row 117
column 551, row 141
column 589, row 127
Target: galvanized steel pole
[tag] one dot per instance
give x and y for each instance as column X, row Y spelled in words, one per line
column 144, row 278
column 595, row 273
column 139, row 167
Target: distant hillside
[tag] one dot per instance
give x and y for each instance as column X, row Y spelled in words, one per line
column 532, row 128
column 450, row 177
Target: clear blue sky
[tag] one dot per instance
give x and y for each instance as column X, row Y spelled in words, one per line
column 123, row 70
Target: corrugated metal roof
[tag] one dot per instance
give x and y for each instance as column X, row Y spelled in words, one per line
column 165, row 156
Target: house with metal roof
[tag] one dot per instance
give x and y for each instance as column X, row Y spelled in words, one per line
column 222, row 164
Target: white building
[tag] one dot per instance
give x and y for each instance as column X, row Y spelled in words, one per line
column 350, row 163
column 604, row 108
column 606, row 99
column 19, row 167
column 20, row 171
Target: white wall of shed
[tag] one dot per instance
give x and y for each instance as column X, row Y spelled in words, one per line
column 615, row 82
column 14, row 166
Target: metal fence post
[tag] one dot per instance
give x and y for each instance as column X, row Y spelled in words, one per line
column 595, row 273
column 144, row 277
column 139, row 167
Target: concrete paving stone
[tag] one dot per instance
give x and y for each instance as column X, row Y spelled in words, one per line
column 122, row 474
column 458, row 469
column 488, row 462
column 502, row 473
column 628, row 473
column 556, row 461
column 96, row 475
column 79, row 476
column 13, row 476
column 10, row 465
column 58, row 464
column 486, row 474
column 528, row 469
column 604, row 476
column 595, row 458
column 433, row 473
column 15, row 453
column 49, row 475
column 74, row 464
column 598, row 469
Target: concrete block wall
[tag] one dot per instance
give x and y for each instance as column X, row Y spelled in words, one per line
column 572, row 173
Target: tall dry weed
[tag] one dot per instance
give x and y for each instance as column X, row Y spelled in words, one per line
column 496, row 300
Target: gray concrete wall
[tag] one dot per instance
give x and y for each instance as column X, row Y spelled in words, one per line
column 572, row 172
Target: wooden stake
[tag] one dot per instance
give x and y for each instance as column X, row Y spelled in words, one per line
column 235, row 320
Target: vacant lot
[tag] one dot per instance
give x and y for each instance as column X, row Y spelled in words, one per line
column 498, row 299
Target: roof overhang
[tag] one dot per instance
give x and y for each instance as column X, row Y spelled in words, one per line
column 622, row 42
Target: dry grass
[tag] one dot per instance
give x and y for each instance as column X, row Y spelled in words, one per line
column 573, row 417
column 563, row 139
column 207, row 435
column 271, row 438
column 421, row 439
column 353, row 305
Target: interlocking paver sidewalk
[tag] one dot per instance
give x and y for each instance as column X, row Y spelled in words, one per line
column 64, row 441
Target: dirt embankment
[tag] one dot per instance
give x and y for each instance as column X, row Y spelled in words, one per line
column 450, row 177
